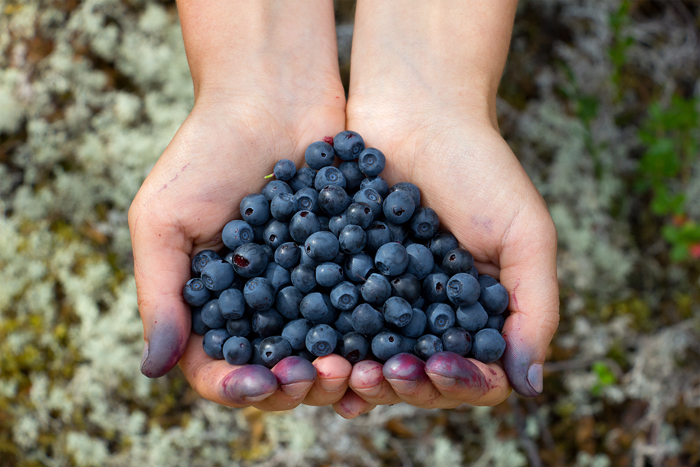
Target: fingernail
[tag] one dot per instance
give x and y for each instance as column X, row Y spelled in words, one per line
column 403, row 385
column 249, row 384
column 534, row 377
column 370, row 392
column 332, row 384
column 443, row 381
column 166, row 344
column 296, row 389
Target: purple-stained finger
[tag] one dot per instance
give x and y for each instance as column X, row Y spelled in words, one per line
column 406, row 374
column 367, row 380
column 248, row 385
column 166, row 342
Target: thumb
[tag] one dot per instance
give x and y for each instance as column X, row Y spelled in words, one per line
column 529, row 273
column 161, row 269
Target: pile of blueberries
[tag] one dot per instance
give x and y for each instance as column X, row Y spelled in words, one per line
column 331, row 259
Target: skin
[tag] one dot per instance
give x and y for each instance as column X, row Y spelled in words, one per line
column 423, row 91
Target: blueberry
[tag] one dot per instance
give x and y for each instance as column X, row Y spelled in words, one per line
column 496, row 322
column 321, row 340
column 424, row 223
column 318, row 309
column 277, row 275
column 420, row 261
column 211, row 315
column 303, row 224
column 276, row 233
column 371, row 161
column 398, row 232
column 287, row 255
column 304, row 178
column 354, row 347
column 340, row 258
column 416, row 326
column 217, row 275
column 409, row 188
column 250, row 260
column 353, row 175
column 457, row 260
column 385, row 345
column 307, row 199
column 322, row 246
column 457, row 340
column 472, row 318
column 407, row 287
column 319, row 154
column 307, row 260
column 329, row 274
column 376, row 183
column 256, row 359
column 360, row 214
column 344, row 323
column 440, row 318
column 348, row 145
column 473, row 272
column 287, row 302
column 213, row 343
column 345, row 296
column 435, row 287
column 269, row 252
column 366, row 320
column 333, row 200
column 274, row 349
column 255, row 209
column 391, row 259
column 198, row 326
column 397, row 311
column 441, row 243
column 274, row 188
column 283, row 206
column 236, row 233
column 295, row 332
column 463, row 289
column 378, row 234
column 201, row 259
column 427, row 346
column 304, row 278
column 195, row 293
column 284, row 170
column 259, row 293
column 398, row 207
column 239, row 327
column 376, row 289
column 267, row 323
column 237, row 350
column 329, row 176
column 359, row 267
column 371, row 198
column 338, row 223
column 494, row 297
column 232, row 304
column 352, row 239
column 305, row 354
column 488, row 345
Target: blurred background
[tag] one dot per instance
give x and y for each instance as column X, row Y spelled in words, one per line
column 599, row 100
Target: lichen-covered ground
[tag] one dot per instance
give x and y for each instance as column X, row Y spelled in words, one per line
column 600, row 101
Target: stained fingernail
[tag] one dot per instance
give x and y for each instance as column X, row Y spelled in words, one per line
column 332, row 384
column 443, row 381
column 295, row 370
column 166, row 344
column 535, row 378
column 248, row 384
column 369, row 392
column 296, row 389
column 404, row 367
column 403, row 385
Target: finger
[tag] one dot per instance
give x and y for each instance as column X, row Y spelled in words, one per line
column 406, row 374
column 529, row 273
column 333, row 374
column 223, row 383
column 161, row 269
column 467, row 380
column 352, row 405
column 367, row 381
column 295, row 376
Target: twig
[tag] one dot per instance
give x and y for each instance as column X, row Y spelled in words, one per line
column 528, row 444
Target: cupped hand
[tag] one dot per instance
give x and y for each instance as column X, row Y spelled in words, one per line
column 467, row 173
column 219, row 155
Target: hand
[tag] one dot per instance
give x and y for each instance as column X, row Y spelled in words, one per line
column 264, row 90
column 423, row 91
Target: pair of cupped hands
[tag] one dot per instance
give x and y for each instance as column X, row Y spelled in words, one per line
column 453, row 152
